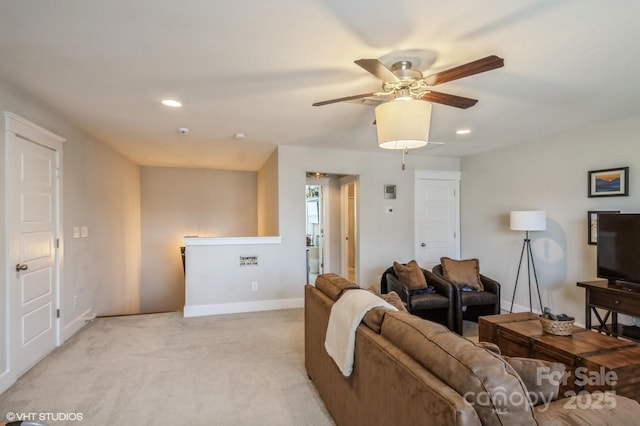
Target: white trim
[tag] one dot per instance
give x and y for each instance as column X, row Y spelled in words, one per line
column 438, row 174
column 229, row 241
column 33, row 132
column 6, row 380
column 74, row 326
column 241, row 307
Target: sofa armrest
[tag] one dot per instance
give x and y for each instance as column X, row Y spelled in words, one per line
column 441, row 285
column 394, row 284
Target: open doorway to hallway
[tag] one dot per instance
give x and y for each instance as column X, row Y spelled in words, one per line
column 331, row 227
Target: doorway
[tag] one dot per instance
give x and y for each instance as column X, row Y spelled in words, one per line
column 331, row 226
column 315, row 221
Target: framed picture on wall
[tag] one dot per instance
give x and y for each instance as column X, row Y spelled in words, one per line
column 592, row 224
column 609, row 182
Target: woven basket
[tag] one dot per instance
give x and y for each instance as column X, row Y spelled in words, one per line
column 559, row 328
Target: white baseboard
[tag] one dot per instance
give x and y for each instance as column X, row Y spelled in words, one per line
column 74, row 326
column 240, row 307
column 506, row 306
column 6, row 380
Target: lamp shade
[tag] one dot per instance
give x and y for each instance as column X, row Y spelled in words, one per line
column 528, row 220
column 403, row 123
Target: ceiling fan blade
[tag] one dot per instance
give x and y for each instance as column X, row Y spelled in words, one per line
column 348, row 98
column 378, row 69
column 481, row 65
column 447, row 99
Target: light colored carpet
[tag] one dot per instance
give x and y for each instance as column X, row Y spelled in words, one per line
column 242, row 369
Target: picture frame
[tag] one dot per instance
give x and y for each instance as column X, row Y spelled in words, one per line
column 592, row 224
column 609, row 182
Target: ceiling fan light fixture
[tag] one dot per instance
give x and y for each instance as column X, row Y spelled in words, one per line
column 403, row 124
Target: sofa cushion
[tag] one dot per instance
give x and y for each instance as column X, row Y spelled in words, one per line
column 410, row 275
column 463, row 273
column 589, row 409
column 542, row 378
column 394, row 300
column 482, row 377
column 373, row 319
column 333, row 285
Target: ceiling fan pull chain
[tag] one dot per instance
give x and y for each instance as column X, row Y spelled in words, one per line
column 405, row 151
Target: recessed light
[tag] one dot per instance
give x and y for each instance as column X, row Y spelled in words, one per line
column 171, row 103
column 463, row 131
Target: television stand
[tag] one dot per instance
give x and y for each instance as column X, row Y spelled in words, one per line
column 614, row 299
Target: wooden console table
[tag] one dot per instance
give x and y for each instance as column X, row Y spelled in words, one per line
column 614, row 298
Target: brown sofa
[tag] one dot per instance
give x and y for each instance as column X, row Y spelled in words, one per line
column 410, row 371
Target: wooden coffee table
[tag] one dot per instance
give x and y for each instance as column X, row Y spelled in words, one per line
column 593, row 361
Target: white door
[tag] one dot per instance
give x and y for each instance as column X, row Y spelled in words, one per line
column 32, row 219
column 437, row 223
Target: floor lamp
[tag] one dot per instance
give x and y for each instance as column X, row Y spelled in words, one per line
column 528, row 220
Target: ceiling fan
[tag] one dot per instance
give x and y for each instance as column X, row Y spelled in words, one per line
column 402, row 81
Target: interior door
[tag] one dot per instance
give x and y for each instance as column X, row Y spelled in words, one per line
column 436, row 221
column 32, row 218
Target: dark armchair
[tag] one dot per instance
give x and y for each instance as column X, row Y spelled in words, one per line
column 438, row 307
column 472, row 304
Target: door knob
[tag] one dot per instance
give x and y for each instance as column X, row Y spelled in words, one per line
column 423, row 245
column 20, row 267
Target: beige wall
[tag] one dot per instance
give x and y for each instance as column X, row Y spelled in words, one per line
column 177, row 202
column 268, row 197
column 100, row 191
column 383, row 238
column 549, row 175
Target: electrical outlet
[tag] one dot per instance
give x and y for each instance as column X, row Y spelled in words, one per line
column 254, row 286
column 76, row 301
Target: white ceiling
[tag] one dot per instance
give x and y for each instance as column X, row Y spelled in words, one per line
column 256, row 66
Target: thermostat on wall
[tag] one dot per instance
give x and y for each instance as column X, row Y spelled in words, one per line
column 390, row 192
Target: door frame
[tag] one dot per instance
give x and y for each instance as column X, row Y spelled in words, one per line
column 325, row 248
column 344, row 225
column 453, row 176
column 15, row 125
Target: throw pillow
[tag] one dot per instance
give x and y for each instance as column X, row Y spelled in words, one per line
column 410, row 275
column 542, row 378
column 394, row 300
column 373, row 319
column 463, row 273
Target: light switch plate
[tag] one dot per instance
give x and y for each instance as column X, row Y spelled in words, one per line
column 76, row 232
column 84, row 232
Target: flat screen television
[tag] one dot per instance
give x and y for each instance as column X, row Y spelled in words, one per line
column 619, row 248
